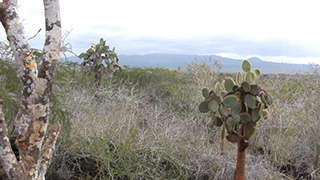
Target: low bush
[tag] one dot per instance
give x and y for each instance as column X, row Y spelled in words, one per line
column 146, row 125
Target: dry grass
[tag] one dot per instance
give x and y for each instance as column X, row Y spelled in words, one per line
column 154, row 130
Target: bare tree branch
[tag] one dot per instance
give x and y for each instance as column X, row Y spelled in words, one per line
column 35, row 34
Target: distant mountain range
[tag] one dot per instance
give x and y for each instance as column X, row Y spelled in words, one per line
column 228, row 64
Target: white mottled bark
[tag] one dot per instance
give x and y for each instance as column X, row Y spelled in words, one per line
column 27, row 67
column 35, row 144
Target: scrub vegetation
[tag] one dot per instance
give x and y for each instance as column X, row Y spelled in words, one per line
column 146, row 124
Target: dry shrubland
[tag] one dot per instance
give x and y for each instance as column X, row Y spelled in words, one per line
column 143, row 123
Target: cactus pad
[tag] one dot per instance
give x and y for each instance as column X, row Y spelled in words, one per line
column 234, row 137
column 203, row 106
column 239, row 78
column 249, row 77
column 255, row 116
column 217, row 121
column 249, row 129
column 205, row 92
column 213, row 106
column 245, row 118
column 245, row 86
column 246, row 66
column 223, row 111
column 250, row 101
column 230, row 101
column 238, row 104
column 228, row 84
column 256, row 72
column 264, row 114
column 236, row 109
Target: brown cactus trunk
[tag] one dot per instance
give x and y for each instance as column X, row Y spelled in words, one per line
column 240, row 173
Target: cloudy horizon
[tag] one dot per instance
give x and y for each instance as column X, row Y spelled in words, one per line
column 278, row 31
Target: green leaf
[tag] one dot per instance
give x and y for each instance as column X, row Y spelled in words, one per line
column 236, row 109
column 213, row 96
column 216, row 120
column 250, row 101
column 203, row 106
column 269, row 99
column 239, row 78
column 205, row 92
column 249, row 130
column 229, row 124
column 245, row 118
column 236, row 119
column 230, row 101
column 223, row 111
column 245, row 86
column 246, row 66
column 217, row 88
column 228, row 84
column 249, row 77
column 264, row 114
column 261, row 108
column 213, row 106
column 256, row 72
column 255, row 115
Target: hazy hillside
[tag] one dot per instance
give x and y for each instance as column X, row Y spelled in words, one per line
column 180, row 60
column 228, row 64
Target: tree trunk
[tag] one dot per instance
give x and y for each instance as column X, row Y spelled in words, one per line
column 35, row 141
column 240, row 173
column 26, row 66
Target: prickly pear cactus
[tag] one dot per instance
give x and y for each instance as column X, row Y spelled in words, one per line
column 237, row 105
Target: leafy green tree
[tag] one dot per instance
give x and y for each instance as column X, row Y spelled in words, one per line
column 100, row 60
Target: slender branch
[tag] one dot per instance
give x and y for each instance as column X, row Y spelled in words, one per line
column 35, row 34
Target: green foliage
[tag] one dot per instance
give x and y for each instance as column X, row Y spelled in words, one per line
column 100, row 60
column 162, row 84
column 241, row 103
column 9, row 90
column 6, row 52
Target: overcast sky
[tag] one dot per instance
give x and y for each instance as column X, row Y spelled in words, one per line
column 274, row 30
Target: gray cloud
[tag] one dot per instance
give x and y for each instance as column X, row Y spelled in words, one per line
column 131, row 44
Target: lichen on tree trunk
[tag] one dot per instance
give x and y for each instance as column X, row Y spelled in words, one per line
column 35, row 141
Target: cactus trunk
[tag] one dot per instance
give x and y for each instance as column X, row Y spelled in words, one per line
column 241, row 159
